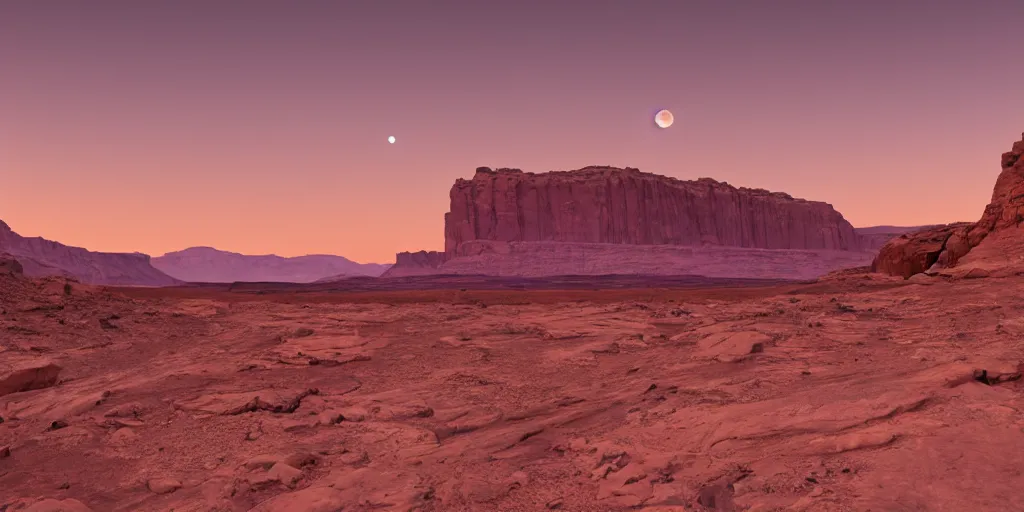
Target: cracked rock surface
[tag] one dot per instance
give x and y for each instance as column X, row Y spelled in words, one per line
column 858, row 392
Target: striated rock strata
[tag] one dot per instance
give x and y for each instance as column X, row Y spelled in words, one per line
column 626, row 206
column 947, row 246
column 40, row 257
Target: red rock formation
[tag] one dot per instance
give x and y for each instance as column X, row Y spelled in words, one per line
column 913, row 253
column 944, row 247
column 626, row 206
column 415, row 263
column 41, row 257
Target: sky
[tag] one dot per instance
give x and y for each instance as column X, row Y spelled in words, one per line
column 261, row 126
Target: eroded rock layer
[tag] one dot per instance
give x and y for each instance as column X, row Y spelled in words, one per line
column 626, row 206
column 415, row 263
column 945, row 246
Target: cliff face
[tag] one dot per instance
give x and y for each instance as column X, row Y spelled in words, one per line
column 41, row 257
column 944, row 247
column 626, row 206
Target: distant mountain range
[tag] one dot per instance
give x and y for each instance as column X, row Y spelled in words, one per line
column 209, row 265
column 874, row 237
column 41, row 257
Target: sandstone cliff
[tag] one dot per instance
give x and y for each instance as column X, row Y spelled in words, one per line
column 604, row 220
column 946, row 247
column 41, row 257
column 626, row 206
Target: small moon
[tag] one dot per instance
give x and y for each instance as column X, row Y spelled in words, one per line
column 391, row 139
column 664, row 118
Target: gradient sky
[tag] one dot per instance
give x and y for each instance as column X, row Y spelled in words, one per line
column 261, row 127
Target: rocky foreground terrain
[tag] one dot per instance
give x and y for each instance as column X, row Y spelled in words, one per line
column 857, row 393
column 626, row 206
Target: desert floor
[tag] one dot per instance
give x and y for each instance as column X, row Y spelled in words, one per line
column 858, row 393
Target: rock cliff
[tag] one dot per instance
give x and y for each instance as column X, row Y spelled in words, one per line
column 41, row 257
column 947, row 246
column 626, row 206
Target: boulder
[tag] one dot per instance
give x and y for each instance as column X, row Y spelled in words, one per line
column 27, row 374
column 914, row 253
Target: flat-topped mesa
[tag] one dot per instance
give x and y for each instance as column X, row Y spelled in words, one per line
column 626, row 206
column 415, row 263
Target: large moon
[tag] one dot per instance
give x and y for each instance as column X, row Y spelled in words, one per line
column 391, row 139
column 664, row 118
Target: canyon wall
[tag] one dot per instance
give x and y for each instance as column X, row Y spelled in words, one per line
column 626, row 206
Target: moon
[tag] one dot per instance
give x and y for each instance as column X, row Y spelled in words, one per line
column 391, row 139
column 664, row 118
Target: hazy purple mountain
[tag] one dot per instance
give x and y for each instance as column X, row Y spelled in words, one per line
column 209, row 265
column 41, row 257
column 874, row 237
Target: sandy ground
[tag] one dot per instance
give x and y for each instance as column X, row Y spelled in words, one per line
column 855, row 394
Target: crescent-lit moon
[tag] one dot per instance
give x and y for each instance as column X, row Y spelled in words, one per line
column 664, row 118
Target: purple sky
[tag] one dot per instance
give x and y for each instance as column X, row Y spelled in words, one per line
column 262, row 127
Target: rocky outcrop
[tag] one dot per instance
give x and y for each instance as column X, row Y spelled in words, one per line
column 41, row 257
column 209, row 265
column 945, row 247
column 626, row 206
column 913, row 253
column 874, row 237
column 416, row 263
